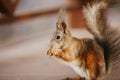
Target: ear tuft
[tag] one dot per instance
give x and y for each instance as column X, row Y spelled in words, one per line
column 61, row 15
column 61, row 20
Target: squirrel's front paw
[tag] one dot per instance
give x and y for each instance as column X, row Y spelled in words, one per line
column 49, row 52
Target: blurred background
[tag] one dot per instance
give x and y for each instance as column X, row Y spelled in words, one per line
column 26, row 27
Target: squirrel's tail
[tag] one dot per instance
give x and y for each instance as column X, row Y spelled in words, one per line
column 107, row 37
column 95, row 18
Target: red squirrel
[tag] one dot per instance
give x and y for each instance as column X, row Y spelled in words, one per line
column 91, row 59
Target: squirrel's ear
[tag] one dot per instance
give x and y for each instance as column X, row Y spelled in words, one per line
column 61, row 20
column 61, row 26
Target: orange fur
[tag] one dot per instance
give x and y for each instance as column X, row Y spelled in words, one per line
column 88, row 55
column 85, row 55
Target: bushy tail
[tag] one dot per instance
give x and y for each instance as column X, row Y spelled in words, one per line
column 107, row 37
column 95, row 19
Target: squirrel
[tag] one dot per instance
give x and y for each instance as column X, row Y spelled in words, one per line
column 90, row 58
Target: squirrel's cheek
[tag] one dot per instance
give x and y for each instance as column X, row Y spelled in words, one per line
column 57, row 46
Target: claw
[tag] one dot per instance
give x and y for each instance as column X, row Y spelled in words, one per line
column 49, row 53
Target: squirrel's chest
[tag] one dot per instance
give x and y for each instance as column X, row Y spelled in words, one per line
column 79, row 70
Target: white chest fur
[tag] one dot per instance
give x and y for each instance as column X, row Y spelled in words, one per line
column 76, row 67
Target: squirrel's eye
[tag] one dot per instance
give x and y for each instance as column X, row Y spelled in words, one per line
column 58, row 37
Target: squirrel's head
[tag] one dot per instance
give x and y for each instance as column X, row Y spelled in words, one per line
column 62, row 35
